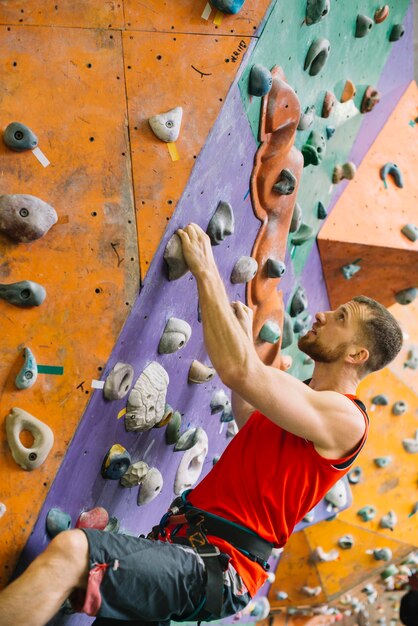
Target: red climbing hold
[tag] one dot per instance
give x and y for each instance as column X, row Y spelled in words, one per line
column 96, row 518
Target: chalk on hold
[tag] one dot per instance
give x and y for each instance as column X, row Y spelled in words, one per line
column 116, row 462
column 166, row 126
column 232, row 429
column 389, row 520
column 380, row 400
column 316, row 10
column 367, row 513
column 227, row 415
column 173, row 256
column 370, row 99
column 317, row 56
column 304, row 233
column 244, row 270
column 134, row 475
column 321, row 211
column 219, row 401
column 406, row 296
column 200, row 373
column 320, row 556
column 349, row 270
column 222, row 223
column 329, row 103
column 286, row 183
column 146, row 401
column 118, row 381
column 296, row 218
column 97, row 518
column 191, row 464
column 410, row 231
column 299, row 302
column 176, row 334
column 28, row 373
column 349, row 91
column 397, row 32
column 382, row 461
column 228, row 6
column 391, row 169
column 346, row 542
column 307, row 118
column 151, row 486
column 19, row 137
column 411, row 445
column 381, row 14
column 24, row 217
column 275, row 268
column 270, row 332
column 260, row 80
column 364, row 24
column 354, row 475
column 25, row 293
column 343, row 172
column 412, row 359
column 19, row 420
column 314, row 149
column 57, row 521
column 399, row 408
column 287, row 335
column 382, row 554
column 172, row 432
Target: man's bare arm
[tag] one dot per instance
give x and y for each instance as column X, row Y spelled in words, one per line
column 241, row 409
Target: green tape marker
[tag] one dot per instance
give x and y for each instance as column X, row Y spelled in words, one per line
column 50, row 369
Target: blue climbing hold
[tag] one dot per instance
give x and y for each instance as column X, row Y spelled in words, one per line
column 260, row 80
column 330, row 130
column 228, row 6
column 393, row 170
column 57, row 521
column 116, row 462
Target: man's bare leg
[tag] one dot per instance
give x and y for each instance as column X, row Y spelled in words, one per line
column 36, row 596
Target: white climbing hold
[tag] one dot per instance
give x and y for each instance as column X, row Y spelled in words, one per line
column 311, row 591
column 219, row 401
column 191, row 464
column 166, row 126
column 337, row 495
column 389, row 520
column 43, row 438
column 150, row 486
column 320, row 556
column 176, row 334
column 309, row 517
column 146, row 402
column 411, row 445
column 232, row 429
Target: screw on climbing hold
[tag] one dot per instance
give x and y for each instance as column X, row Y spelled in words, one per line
column 173, row 256
column 57, row 521
column 97, row 518
column 219, row 401
column 321, row 211
column 19, row 137
column 244, row 270
column 221, row 224
column 412, row 359
column 392, row 570
column 191, row 464
column 304, row 233
column 350, row 269
column 346, row 542
column 25, row 293
column 343, row 172
column 317, row 56
column 330, row 130
column 281, row 595
column 414, row 510
column 176, row 334
column 364, row 24
column 349, row 91
column 150, row 486
column 329, row 103
column 393, row 170
column 410, row 231
column 397, row 32
column 411, row 445
column 146, row 401
column 354, row 475
column 118, row 381
column 389, row 520
column 232, row 429
column 19, row 420
column 200, row 373
column 307, row 118
column 286, row 183
column 260, row 80
column 370, row 99
column 172, row 432
column 28, row 373
column 227, row 415
column 381, row 14
column 228, row 6
column 367, row 513
column 287, row 335
column 166, row 126
column 316, row 10
column 382, row 461
column 24, row 217
column 314, row 149
column 309, row 517
column 406, row 296
column 380, row 400
column 270, row 332
column 275, row 268
column 112, row 526
column 134, row 475
column 116, row 462
column 299, row 302
column 296, row 218
column 399, row 408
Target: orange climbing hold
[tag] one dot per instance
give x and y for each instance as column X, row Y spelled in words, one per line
column 349, row 91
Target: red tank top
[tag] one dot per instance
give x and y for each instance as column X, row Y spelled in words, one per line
column 267, row 480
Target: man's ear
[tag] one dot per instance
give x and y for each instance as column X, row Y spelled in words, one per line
column 358, row 355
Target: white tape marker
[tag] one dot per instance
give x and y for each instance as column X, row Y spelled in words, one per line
column 206, row 12
column 148, row 449
column 41, row 157
column 97, row 384
column 221, row 428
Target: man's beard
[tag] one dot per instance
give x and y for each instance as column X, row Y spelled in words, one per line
column 319, row 352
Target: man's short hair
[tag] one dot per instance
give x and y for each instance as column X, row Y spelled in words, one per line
column 381, row 334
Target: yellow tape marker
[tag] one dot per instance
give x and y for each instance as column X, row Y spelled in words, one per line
column 218, row 18
column 172, row 149
column 121, row 413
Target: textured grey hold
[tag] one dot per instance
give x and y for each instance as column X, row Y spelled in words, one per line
column 219, row 401
column 317, row 56
column 382, row 554
column 303, row 234
column 299, row 302
column 364, row 24
column 406, row 296
column 25, row 293
column 135, row 474
column 146, row 402
column 399, row 408
column 187, row 439
column 260, row 80
column 307, row 118
column 316, row 10
column 380, row 400
column 28, row 373
column 24, row 217
column 173, row 256
column 113, row 525
column 302, row 324
column 191, row 464
column 350, row 270
column 222, row 223
column 412, row 359
column 382, row 461
column 296, row 218
column 166, row 126
column 244, row 270
column 410, row 231
column 287, row 335
column 321, row 211
column 19, row 420
column 397, row 32
column 150, row 486
column 286, row 183
column 176, row 334
column 354, row 475
column 275, row 268
column 393, row 170
column 19, row 137
column 389, row 520
column 119, row 381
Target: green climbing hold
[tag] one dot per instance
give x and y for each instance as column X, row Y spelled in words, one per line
column 304, row 233
column 19, row 137
column 317, row 56
column 314, row 149
column 25, row 293
column 321, row 211
column 397, row 32
column 299, row 302
column 270, row 332
column 57, row 521
column 316, row 10
column 364, row 25
column 367, row 513
column 406, row 296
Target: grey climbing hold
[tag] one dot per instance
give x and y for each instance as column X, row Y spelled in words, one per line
column 314, row 149
column 354, row 475
column 187, row 439
column 150, row 486
column 281, row 595
column 364, row 24
column 346, row 542
column 309, row 517
column 330, row 130
column 296, row 218
column 191, row 464
column 146, row 402
column 321, row 211
column 222, row 223
column 112, row 526
column 344, row 172
column 382, row 461
column 299, row 302
column 176, row 334
column 380, row 400
column 337, row 495
column 232, row 429
column 260, row 80
column 57, row 521
column 173, row 256
column 25, row 293
column 216, row 459
column 287, row 335
column 411, row 445
column 304, row 233
column 410, row 231
column 166, row 126
column 275, row 268
column 116, row 462
column 172, row 431
column 382, row 554
column 244, row 270
column 43, row 439
column 308, row 360
column 392, row 570
column 307, row 118
column 317, row 56
column 219, row 401
column 19, row 137
column 349, row 270
column 413, row 510
column 270, row 332
column 367, row 513
column 28, row 373
column 399, row 408
column 260, row 608
column 24, row 217
column 302, row 324
column 389, row 520
column 118, row 381
column 316, row 10
column 412, row 359
column 135, row 474
column 228, row 6
column 227, row 415
column 391, row 169
column 397, row 32
column 286, row 183
column 200, row 373
column 406, row 296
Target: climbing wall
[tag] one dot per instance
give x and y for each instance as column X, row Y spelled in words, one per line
column 120, row 194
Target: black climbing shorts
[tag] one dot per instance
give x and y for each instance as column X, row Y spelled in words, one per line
column 142, row 580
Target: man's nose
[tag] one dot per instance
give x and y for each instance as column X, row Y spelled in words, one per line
column 320, row 317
